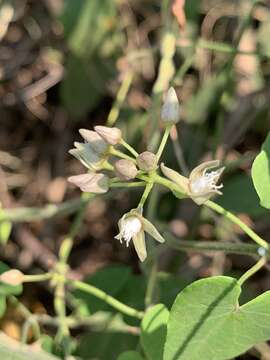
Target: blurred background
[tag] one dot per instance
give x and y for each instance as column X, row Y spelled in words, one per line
column 70, row 64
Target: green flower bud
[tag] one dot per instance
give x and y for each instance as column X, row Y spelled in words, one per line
column 125, row 169
column 147, row 161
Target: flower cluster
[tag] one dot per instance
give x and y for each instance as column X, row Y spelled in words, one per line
column 98, row 153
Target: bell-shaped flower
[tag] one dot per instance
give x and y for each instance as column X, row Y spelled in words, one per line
column 201, row 184
column 92, row 182
column 132, row 226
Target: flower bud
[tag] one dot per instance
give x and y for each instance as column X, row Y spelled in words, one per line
column 147, row 161
column 111, row 135
column 125, row 169
column 94, row 140
column 91, row 182
column 12, row 277
column 170, row 111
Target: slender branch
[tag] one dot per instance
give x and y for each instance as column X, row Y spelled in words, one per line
column 100, row 294
column 120, row 98
column 48, row 211
column 163, row 142
column 252, row 271
column 127, row 184
column 211, row 246
column 129, row 148
column 37, row 278
column 121, row 155
column 228, row 215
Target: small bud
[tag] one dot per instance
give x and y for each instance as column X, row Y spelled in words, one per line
column 91, row 182
column 12, row 277
column 125, row 169
column 170, row 111
column 147, row 161
column 110, row 135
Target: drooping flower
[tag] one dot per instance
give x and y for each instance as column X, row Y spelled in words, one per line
column 91, row 182
column 132, row 226
column 170, row 111
column 111, row 135
column 201, row 184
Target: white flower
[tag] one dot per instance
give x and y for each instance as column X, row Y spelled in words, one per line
column 170, row 111
column 132, row 227
column 201, row 184
column 93, row 152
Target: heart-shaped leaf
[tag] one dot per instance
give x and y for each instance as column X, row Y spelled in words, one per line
column 261, row 173
column 154, row 328
column 206, row 321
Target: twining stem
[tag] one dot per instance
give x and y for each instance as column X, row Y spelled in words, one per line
column 121, row 155
column 252, row 271
column 228, row 215
column 151, row 284
column 100, row 294
column 129, row 148
column 163, row 142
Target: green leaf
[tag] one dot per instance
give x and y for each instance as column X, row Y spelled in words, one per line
column 106, row 345
column 239, row 196
column 12, row 350
column 130, row 355
column 206, row 321
column 154, row 328
column 111, row 280
column 261, row 173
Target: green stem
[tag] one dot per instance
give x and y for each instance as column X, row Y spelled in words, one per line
column 127, row 185
column 228, row 215
column 30, row 318
column 252, row 271
column 129, row 148
column 151, row 284
column 121, row 155
column 120, row 97
column 211, row 246
column 37, row 278
column 100, row 294
column 145, row 194
column 163, row 142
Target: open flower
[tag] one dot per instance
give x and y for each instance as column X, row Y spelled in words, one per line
column 91, row 182
column 93, row 152
column 132, row 227
column 201, row 184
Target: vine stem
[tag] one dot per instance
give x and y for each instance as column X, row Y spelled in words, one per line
column 37, row 278
column 121, row 155
column 163, row 142
column 252, row 270
column 129, row 148
column 145, row 194
column 100, row 294
column 228, row 215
